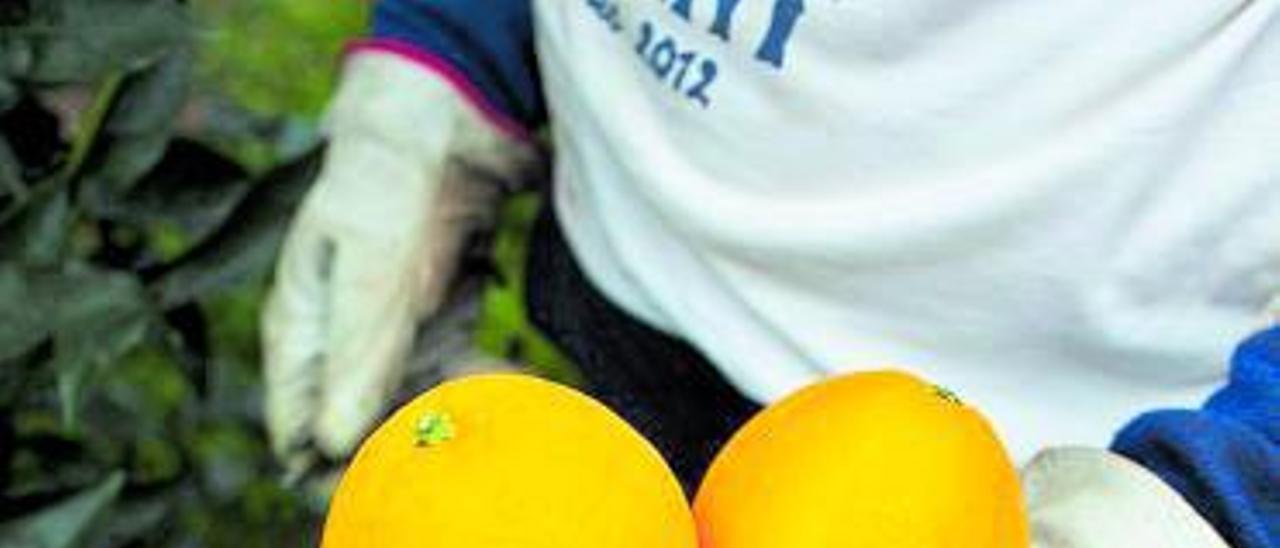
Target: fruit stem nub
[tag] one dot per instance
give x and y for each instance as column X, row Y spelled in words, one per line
column 946, row 394
column 434, row 428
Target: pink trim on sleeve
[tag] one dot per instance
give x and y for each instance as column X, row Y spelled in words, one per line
column 442, row 67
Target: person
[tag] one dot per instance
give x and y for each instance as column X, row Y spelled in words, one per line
column 1065, row 213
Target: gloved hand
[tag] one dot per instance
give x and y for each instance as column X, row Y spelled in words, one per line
column 409, row 173
column 1177, row 478
column 1091, row 498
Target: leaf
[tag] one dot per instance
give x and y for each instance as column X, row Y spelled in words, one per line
column 247, row 244
column 65, row 524
column 13, row 191
column 193, row 188
column 38, row 232
column 137, row 521
column 69, row 303
column 94, row 318
column 83, row 350
column 150, row 99
column 136, row 129
column 116, row 163
column 9, row 94
column 73, row 41
column 22, row 328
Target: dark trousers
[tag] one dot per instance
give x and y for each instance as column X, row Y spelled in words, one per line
column 665, row 388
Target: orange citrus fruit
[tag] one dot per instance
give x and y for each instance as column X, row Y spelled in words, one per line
column 867, row 460
column 507, row 461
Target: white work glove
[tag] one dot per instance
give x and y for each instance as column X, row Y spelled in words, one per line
column 1090, row 498
column 410, row 171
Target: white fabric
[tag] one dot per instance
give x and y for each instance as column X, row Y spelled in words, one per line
column 1065, row 211
column 1088, row 498
column 373, row 249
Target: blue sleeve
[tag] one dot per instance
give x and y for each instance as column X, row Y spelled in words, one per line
column 489, row 43
column 1224, row 458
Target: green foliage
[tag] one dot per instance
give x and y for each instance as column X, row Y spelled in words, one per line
column 305, row 38
column 151, row 156
column 504, row 328
column 67, row 523
column 52, row 42
column 129, row 405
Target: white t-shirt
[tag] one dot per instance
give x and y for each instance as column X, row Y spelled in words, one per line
column 1067, row 212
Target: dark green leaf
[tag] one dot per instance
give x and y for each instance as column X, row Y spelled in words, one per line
column 151, row 99
column 116, row 163
column 68, row 303
column 16, row 47
column 247, row 243
column 9, row 94
column 48, row 467
column 83, row 40
column 193, row 188
column 136, row 129
column 38, row 232
column 136, row 521
column 81, row 351
column 13, row 191
column 21, row 329
column 65, row 524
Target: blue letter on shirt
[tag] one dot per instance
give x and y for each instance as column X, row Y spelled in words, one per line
column 724, row 17
column 682, row 7
column 786, row 13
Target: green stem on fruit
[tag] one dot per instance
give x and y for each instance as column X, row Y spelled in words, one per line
column 434, row 428
column 946, row 394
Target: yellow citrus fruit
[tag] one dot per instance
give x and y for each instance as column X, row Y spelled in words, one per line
column 869, row 460
column 507, row 461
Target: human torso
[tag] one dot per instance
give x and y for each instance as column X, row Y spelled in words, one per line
column 1067, row 212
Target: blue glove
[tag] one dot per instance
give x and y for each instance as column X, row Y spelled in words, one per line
column 1224, row 459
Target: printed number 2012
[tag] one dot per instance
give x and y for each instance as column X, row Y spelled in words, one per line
column 673, row 65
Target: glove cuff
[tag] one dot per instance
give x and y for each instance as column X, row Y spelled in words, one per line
column 441, row 68
column 390, row 99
